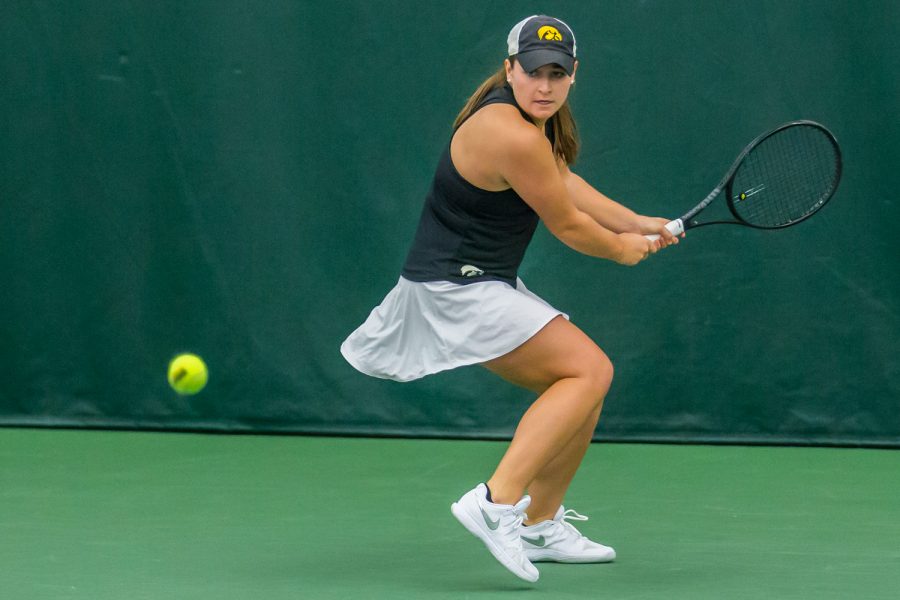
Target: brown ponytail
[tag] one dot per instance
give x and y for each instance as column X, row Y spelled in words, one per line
column 565, row 133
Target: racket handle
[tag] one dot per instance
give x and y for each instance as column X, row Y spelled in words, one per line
column 675, row 227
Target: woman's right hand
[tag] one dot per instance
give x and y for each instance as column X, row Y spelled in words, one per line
column 635, row 248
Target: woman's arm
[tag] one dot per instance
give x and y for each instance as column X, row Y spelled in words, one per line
column 608, row 212
column 524, row 158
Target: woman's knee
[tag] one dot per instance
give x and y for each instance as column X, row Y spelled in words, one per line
column 599, row 373
column 595, row 371
column 559, row 351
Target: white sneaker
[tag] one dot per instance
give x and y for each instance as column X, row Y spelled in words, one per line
column 557, row 540
column 498, row 526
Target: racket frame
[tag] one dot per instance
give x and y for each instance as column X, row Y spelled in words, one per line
column 686, row 221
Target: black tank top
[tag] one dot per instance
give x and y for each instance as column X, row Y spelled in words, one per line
column 468, row 234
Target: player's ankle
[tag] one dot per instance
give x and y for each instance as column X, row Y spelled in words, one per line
column 538, row 519
column 497, row 493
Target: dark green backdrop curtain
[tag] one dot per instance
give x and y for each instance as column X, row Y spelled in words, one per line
column 241, row 180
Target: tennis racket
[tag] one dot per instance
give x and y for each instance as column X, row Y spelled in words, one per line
column 781, row 178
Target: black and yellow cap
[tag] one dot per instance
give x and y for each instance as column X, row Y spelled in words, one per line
column 541, row 40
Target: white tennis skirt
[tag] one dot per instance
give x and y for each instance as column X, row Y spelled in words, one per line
column 421, row 328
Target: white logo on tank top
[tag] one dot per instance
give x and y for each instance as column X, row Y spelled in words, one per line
column 470, row 271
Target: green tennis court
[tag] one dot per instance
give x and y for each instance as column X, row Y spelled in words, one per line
column 111, row 515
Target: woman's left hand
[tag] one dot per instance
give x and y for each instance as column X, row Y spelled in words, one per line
column 657, row 225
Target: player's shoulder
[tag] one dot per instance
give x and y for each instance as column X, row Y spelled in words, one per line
column 504, row 125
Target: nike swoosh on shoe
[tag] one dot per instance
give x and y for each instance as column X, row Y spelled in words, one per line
column 539, row 541
column 492, row 525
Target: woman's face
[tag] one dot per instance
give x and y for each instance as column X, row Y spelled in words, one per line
column 542, row 92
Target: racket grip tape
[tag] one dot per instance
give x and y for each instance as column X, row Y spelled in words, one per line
column 675, row 227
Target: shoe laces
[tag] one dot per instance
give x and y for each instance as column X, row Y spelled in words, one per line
column 511, row 527
column 519, row 511
column 571, row 515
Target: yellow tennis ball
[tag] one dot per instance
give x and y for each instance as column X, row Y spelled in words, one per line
column 187, row 374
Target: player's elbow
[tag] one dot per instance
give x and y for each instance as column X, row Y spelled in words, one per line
column 568, row 227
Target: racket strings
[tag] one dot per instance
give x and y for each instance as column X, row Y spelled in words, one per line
column 785, row 178
column 787, row 184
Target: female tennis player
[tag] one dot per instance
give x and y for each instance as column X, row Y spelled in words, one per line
column 460, row 302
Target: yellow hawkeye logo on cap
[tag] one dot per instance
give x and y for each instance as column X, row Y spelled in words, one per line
column 549, row 33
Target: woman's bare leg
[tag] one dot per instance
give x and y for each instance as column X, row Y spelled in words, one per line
column 572, row 376
column 548, row 489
